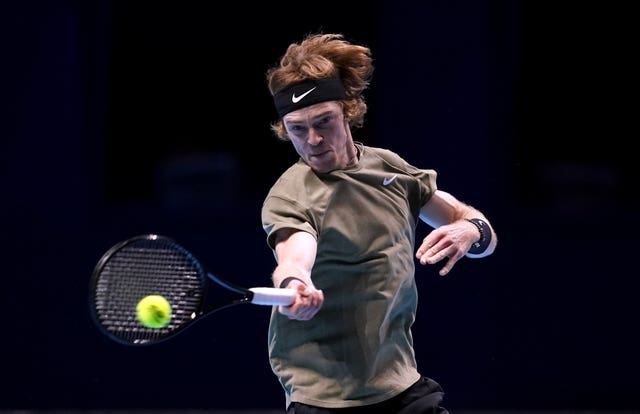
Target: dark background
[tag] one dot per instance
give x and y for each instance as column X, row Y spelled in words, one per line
column 130, row 117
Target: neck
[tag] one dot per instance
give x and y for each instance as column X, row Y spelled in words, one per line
column 353, row 155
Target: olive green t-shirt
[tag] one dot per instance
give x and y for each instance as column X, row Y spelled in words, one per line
column 358, row 349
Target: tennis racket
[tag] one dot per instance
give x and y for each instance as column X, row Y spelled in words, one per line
column 156, row 265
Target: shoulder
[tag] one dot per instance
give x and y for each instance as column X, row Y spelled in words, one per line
column 387, row 156
column 291, row 176
column 295, row 186
column 379, row 151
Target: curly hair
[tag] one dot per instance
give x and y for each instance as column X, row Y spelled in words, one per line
column 320, row 56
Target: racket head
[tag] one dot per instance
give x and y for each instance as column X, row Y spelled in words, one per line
column 135, row 268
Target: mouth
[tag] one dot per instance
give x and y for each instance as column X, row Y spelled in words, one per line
column 319, row 154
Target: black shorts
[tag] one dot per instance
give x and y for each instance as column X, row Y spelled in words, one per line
column 423, row 397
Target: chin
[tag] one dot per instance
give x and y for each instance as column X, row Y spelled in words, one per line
column 321, row 167
column 320, row 170
column 321, row 164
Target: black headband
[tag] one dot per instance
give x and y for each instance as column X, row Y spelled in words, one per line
column 308, row 92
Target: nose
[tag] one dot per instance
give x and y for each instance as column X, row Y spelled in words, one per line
column 314, row 138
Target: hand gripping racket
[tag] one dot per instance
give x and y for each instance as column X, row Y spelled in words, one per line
column 155, row 265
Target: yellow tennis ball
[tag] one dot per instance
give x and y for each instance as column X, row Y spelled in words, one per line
column 154, row 311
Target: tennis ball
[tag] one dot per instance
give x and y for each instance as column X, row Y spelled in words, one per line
column 154, row 311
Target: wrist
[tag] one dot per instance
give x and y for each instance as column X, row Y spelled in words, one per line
column 287, row 280
column 483, row 242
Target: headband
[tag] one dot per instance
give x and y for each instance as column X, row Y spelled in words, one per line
column 308, row 92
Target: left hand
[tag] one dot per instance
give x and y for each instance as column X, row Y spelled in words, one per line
column 450, row 241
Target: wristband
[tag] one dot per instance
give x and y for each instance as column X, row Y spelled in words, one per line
column 485, row 236
column 286, row 281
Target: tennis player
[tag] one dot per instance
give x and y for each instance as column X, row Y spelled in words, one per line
column 342, row 224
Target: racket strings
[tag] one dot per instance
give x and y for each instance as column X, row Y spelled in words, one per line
column 141, row 268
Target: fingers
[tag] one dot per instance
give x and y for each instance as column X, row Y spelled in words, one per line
column 438, row 246
column 447, row 267
column 430, row 254
column 433, row 256
column 305, row 306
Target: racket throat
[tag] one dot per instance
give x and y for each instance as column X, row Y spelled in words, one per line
column 228, row 285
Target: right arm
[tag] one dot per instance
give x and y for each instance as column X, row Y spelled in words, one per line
column 296, row 253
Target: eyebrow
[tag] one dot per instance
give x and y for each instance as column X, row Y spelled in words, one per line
column 319, row 115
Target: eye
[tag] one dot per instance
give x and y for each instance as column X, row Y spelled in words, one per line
column 296, row 129
column 323, row 122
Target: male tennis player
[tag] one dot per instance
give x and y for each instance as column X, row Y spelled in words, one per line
column 342, row 223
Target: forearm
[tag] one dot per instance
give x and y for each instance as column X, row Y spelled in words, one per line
column 283, row 274
column 295, row 253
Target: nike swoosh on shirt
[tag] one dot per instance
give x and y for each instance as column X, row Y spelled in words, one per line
column 296, row 99
column 388, row 181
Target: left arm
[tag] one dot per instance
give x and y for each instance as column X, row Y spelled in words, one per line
column 453, row 235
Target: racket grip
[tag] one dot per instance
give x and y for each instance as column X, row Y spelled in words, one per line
column 273, row 296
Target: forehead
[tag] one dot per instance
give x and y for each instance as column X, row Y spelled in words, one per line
column 313, row 111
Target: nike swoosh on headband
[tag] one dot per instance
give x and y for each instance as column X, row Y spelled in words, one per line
column 296, row 99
